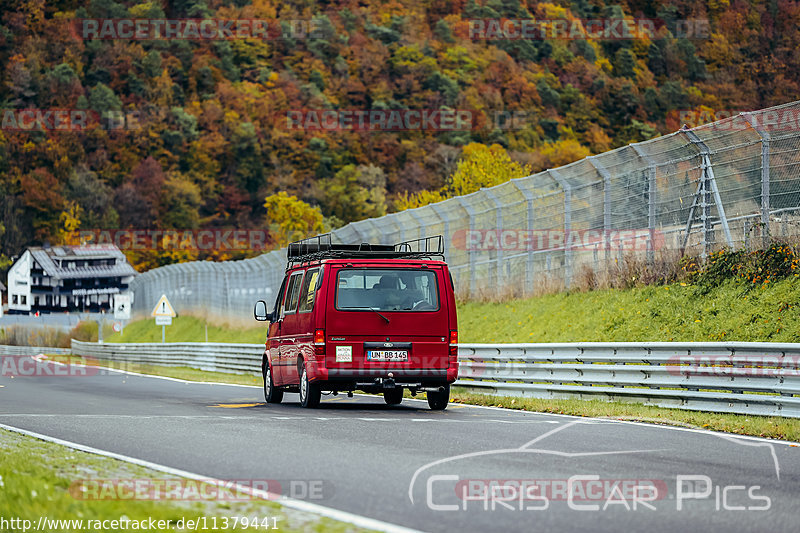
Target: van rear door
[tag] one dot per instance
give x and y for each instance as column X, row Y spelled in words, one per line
column 388, row 316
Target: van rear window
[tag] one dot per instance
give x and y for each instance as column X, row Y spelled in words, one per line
column 386, row 290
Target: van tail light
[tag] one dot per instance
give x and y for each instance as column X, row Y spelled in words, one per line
column 452, row 367
column 319, row 342
column 454, row 342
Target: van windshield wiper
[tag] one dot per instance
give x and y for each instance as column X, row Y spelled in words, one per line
column 373, row 309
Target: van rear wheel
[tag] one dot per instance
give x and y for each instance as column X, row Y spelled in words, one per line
column 310, row 393
column 393, row 396
column 271, row 393
column 437, row 401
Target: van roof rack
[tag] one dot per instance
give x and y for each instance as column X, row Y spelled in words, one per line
column 321, row 247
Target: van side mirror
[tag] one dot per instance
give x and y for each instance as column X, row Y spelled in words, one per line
column 260, row 311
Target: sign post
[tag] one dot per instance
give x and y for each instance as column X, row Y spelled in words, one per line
column 163, row 313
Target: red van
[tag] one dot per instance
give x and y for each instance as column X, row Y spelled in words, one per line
column 374, row 318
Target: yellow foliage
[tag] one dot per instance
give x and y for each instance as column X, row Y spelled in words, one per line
column 484, row 166
column 291, row 219
column 564, row 152
column 406, row 200
column 480, row 166
column 552, row 11
column 70, row 221
column 604, row 64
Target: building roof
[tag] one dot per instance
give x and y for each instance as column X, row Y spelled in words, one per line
column 2, row 287
column 50, row 259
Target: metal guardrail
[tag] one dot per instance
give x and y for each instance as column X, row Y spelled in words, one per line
column 734, row 377
column 6, row 349
column 214, row 357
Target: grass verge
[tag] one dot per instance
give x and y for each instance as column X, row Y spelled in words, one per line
column 189, row 329
column 42, row 479
column 679, row 312
column 759, row 426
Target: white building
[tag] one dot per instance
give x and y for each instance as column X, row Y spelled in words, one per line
column 68, row 278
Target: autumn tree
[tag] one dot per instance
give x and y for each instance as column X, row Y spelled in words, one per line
column 290, row 218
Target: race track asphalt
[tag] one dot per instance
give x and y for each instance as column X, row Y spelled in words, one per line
column 422, row 469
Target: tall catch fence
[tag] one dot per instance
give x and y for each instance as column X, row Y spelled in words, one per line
column 735, row 183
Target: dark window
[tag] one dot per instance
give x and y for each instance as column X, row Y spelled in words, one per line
column 387, row 290
column 309, row 290
column 292, row 293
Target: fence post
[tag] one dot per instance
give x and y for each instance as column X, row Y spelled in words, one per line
column 606, row 203
column 765, row 139
column 708, row 187
column 499, row 222
column 401, row 228
column 651, row 201
column 567, row 188
column 445, row 220
column 529, row 270
column 471, row 214
column 420, row 222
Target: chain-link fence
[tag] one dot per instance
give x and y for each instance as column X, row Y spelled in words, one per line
column 734, row 182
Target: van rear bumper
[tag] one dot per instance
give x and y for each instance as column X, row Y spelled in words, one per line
column 404, row 375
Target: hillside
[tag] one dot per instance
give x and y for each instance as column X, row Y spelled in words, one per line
column 207, row 141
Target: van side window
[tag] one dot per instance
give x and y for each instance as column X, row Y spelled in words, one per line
column 292, row 293
column 309, row 291
column 279, row 300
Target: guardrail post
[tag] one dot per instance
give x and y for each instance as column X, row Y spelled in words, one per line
column 765, row 140
column 567, row 188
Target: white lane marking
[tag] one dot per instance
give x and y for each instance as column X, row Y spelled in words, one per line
column 267, row 417
column 508, row 411
column 291, row 503
column 551, row 432
column 522, row 449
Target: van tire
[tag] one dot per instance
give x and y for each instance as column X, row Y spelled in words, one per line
column 272, row 394
column 310, row 393
column 437, row 401
column 393, row 396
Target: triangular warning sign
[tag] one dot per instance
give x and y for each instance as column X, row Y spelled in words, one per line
column 163, row 308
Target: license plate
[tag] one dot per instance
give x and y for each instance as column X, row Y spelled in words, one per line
column 387, row 355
